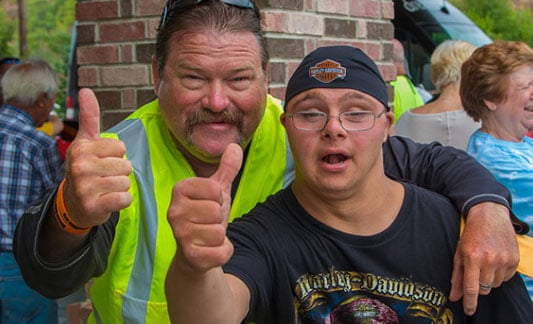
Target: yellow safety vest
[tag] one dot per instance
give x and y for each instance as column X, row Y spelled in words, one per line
column 406, row 96
column 132, row 288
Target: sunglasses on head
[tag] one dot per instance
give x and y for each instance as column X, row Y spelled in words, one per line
column 9, row 60
column 181, row 4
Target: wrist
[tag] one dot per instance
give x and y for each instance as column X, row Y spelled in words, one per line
column 64, row 220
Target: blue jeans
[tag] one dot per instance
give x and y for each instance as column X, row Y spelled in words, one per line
column 18, row 302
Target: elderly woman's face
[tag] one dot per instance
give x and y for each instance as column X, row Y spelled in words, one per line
column 515, row 114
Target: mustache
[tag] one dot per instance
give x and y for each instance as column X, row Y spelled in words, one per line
column 206, row 116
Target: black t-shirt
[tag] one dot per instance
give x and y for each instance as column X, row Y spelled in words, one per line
column 300, row 271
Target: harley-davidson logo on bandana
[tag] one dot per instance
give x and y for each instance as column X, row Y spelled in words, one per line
column 327, row 71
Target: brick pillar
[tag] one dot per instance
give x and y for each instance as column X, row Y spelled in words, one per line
column 116, row 40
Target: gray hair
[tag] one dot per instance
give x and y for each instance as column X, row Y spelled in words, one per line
column 24, row 82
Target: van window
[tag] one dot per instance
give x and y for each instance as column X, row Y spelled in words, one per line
column 421, row 25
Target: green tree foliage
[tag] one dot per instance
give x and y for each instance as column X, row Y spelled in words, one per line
column 7, row 35
column 49, row 29
column 499, row 19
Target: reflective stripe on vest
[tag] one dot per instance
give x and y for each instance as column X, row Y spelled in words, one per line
column 132, row 288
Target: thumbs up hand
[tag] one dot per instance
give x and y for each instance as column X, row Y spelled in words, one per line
column 199, row 213
column 96, row 181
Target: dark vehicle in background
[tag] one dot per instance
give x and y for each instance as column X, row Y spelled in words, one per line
column 71, row 101
column 421, row 25
column 70, row 119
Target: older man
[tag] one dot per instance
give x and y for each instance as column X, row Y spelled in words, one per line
column 31, row 167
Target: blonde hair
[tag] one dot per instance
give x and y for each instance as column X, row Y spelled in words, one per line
column 446, row 62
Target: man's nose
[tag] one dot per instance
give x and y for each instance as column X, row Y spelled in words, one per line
column 216, row 99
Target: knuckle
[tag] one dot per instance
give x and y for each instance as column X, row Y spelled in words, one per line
column 470, row 291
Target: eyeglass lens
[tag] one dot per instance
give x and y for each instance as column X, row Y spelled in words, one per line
column 316, row 121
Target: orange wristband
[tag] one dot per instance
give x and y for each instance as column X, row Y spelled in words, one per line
column 63, row 218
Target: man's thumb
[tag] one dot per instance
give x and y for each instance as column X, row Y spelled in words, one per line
column 89, row 118
column 229, row 166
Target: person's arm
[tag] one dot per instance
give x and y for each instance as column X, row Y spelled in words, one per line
column 84, row 256
column 443, row 169
column 96, row 185
column 198, row 214
column 57, row 124
column 487, row 251
column 189, row 291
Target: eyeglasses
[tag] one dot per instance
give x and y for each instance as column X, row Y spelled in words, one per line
column 182, row 4
column 351, row 121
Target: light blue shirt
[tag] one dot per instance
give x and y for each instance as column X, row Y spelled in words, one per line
column 512, row 164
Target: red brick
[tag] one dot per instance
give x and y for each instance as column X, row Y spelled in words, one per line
column 153, row 24
column 98, row 54
column 145, row 95
column 292, row 66
column 305, row 24
column 144, row 52
column 365, row 8
column 85, row 34
column 274, row 21
column 284, row 4
column 111, row 117
column 96, row 10
column 109, row 99
column 388, row 71
column 126, row 8
column 276, row 72
column 333, row 6
column 150, row 7
column 387, row 10
column 380, row 30
column 129, row 98
column 285, row 47
column 87, row 77
column 127, row 53
column 278, row 92
column 125, row 31
column 361, row 30
column 124, row 76
column 341, row 28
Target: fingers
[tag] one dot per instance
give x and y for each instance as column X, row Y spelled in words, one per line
column 89, row 118
column 471, row 290
column 199, row 212
column 229, row 166
column 96, row 181
column 486, row 254
column 197, row 218
column 456, row 291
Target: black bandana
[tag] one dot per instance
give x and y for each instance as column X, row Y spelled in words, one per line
column 338, row 67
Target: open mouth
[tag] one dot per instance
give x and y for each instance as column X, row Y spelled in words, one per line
column 529, row 109
column 334, row 158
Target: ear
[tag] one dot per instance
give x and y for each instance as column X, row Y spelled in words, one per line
column 155, row 75
column 267, row 69
column 490, row 105
column 389, row 115
column 41, row 100
column 283, row 119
